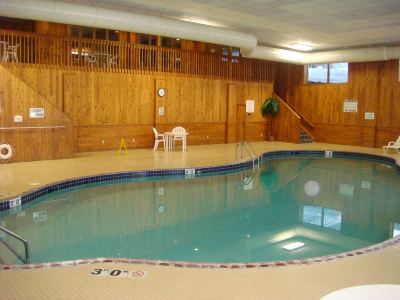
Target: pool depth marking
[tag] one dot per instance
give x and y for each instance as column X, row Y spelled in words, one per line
column 117, row 273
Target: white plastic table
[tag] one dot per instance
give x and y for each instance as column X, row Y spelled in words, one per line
column 169, row 139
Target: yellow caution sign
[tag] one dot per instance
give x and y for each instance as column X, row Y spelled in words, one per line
column 122, row 145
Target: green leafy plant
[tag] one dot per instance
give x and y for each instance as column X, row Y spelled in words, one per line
column 270, row 109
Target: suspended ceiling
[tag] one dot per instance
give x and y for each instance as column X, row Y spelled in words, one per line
column 323, row 24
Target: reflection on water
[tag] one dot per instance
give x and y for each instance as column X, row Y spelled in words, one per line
column 316, row 206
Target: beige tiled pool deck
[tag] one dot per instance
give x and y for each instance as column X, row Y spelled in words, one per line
column 289, row 282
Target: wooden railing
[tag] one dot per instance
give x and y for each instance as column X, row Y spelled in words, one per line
column 305, row 124
column 90, row 54
column 289, row 123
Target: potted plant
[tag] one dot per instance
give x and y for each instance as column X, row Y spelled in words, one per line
column 269, row 109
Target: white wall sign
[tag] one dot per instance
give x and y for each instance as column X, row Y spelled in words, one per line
column 39, row 216
column 249, row 106
column 36, row 113
column 369, row 116
column 347, row 189
column 366, row 184
column 350, row 105
column 18, row 119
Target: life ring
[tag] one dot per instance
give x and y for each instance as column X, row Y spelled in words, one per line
column 9, row 152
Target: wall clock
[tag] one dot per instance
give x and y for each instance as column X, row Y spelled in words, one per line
column 161, row 92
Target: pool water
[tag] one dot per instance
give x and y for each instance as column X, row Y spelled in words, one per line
column 327, row 205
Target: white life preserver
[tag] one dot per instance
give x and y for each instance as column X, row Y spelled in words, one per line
column 9, row 153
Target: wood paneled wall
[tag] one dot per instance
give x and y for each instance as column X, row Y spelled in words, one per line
column 105, row 107
column 16, row 97
column 374, row 84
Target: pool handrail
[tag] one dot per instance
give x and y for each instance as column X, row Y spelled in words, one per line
column 25, row 242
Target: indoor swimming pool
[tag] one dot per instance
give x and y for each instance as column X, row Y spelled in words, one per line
column 291, row 208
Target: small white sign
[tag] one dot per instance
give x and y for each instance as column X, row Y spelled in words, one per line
column 249, row 106
column 366, row 185
column 347, row 189
column 36, row 113
column 15, row 202
column 369, row 116
column 161, row 111
column 39, row 216
column 18, row 119
column 350, row 105
column 328, row 154
column 190, row 173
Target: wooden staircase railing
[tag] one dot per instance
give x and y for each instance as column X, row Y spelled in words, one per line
column 287, row 127
column 304, row 123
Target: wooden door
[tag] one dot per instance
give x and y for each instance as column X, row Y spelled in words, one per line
column 240, row 122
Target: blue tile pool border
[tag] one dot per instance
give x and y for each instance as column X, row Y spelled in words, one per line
column 200, row 171
column 29, row 196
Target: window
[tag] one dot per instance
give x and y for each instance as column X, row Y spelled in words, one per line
column 101, row 34
column 327, row 73
column 75, row 31
column 396, row 230
column 113, row 35
column 324, row 217
column 312, row 215
column 147, row 39
column 235, row 51
column 87, row 32
column 97, row 33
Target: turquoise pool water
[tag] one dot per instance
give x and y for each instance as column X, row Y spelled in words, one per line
column 328, row 205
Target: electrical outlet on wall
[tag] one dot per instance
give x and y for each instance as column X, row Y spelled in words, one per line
column 102, row 142
column 133, row 140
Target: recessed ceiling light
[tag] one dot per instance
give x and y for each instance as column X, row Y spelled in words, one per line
column 293, row 246
column 302, row 47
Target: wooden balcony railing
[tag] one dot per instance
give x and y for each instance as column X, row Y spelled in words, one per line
column 90, row 54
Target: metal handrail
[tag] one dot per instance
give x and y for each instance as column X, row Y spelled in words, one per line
column 250, row 151
column 25, row 242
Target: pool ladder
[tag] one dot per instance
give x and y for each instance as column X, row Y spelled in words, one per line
column 248, row 148
column 19, row 238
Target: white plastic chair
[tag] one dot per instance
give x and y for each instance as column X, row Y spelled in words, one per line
column 112, row 60
column 158, row 138
column 11, row 53
column 392, row 145
column 92, row 59
column 179, row 134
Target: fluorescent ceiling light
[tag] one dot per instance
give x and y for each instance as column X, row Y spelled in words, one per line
column 293, row 246
column 201, row 21
column 301, row 47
